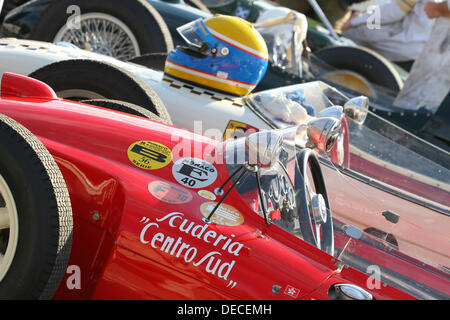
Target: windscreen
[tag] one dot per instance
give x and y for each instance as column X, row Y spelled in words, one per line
column 269, row 189
column 378, row 149
column 284, row 32
column 401, row 244
column 290, row 105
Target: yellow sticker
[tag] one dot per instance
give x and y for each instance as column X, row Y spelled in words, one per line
column 149, row 155
column 207, row 195
column 225, row 214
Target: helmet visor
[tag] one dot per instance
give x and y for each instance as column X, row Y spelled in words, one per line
column 191, row 33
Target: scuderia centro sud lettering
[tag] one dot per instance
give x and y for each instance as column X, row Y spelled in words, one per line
column 212, row 262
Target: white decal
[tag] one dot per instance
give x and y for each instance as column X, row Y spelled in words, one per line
column 291, row 291
column 194, row 173
column 242, row 12
column 214, row 262
column 222, row 74
column 74, row 280
column 225, row 214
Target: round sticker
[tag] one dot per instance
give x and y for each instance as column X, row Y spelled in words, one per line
column 194, row 173
column 169, row 193
column 207, row 195
column 225, row 214
column 149, row 155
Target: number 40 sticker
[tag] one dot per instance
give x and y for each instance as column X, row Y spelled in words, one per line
column 194, row 173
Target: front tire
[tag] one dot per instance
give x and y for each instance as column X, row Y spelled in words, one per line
column 36, row 235
column 88, row 79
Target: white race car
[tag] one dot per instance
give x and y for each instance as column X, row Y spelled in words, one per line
column 411, row 190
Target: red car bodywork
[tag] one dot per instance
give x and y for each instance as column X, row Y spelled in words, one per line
column 117, row 242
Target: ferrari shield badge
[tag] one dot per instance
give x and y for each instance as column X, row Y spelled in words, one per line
column 149, row 155
column 236, row 129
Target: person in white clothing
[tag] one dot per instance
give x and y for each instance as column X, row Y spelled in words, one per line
column 397, row 29
column 428, row 83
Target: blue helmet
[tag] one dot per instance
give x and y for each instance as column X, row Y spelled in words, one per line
column 222, row 52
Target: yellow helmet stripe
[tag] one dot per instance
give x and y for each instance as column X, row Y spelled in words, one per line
column 203, row 29
column 210, row 76
column 239, row 45
column 206, row 82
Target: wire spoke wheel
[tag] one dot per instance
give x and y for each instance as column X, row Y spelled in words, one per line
column 100, row 33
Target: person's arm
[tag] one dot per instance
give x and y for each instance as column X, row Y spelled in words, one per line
column 392, row 11
column 437, row 9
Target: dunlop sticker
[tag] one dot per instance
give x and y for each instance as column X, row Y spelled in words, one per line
column 225, row 214
column 169, row 193
column 149, row 155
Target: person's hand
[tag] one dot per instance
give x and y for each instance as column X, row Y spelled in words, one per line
column 435, row 9
column 348, row 24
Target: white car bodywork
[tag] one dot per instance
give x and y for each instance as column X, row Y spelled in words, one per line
column 183, row 102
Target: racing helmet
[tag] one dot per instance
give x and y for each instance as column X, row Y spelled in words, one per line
column 222, row 52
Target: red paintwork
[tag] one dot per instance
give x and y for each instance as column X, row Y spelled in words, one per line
column 90, row 146
column 13, row 84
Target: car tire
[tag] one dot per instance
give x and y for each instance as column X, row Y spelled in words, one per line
column 124, row 107
column 155, row 61
column 35, row 198
column 9, row 5
column 144, row 24
column 365, row 62
column 88, row 79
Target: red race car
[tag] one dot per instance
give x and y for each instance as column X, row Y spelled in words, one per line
column 100, row 204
